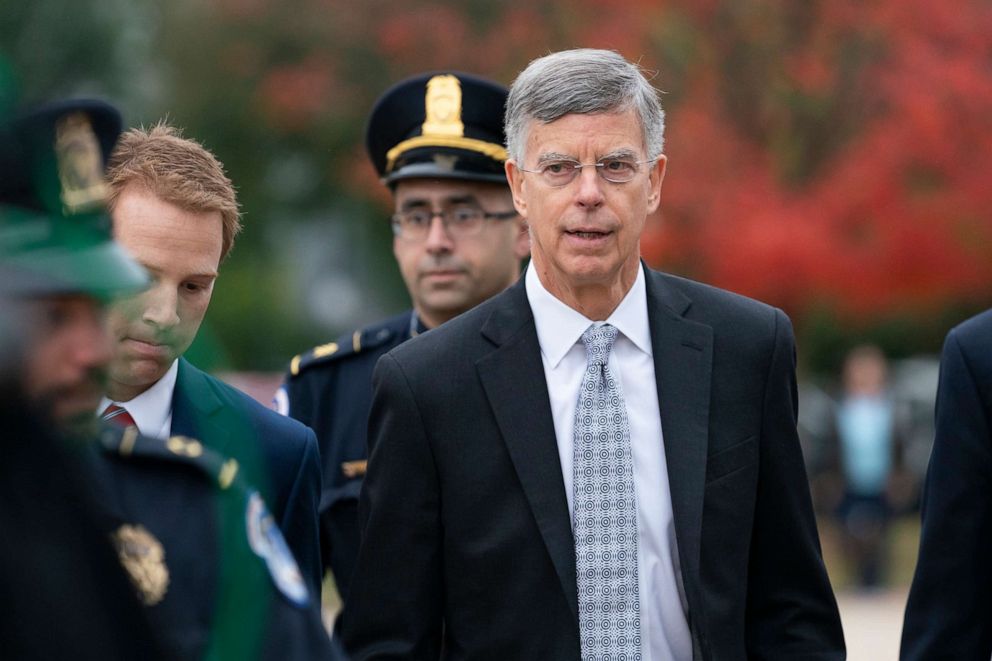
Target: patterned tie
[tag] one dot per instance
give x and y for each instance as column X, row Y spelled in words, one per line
column 605, row 510
column 118, row 415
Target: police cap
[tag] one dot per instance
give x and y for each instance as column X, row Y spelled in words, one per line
column 445, row 125
column 55, row 233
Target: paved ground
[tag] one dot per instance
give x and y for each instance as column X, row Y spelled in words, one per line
column 872, row 624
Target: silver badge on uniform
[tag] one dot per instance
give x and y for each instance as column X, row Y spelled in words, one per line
column 267, row 542
column 280, row 401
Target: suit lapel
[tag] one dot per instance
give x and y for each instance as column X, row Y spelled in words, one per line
column 683, row 357
column 513, row 378
column 195, row 408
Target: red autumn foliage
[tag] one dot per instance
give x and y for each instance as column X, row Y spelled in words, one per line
column 894, row 216
column 831, row 153
column 292, row 96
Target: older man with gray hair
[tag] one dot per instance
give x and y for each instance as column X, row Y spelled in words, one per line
column 601, row 462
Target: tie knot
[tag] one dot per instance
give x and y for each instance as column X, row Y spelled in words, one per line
column 117, row 415
column 599, row 341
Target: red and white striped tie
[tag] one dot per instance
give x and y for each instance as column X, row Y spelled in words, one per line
column 118, row 415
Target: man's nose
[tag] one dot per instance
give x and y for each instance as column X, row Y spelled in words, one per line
column 160, row 306
column 590, row 188
column 438, row 240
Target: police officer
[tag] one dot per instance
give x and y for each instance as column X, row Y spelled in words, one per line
column 200, row 550
column 67, row 593
column 437, row 142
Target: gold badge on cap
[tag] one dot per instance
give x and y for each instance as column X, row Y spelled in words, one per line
column 144, row 559
column 443, row 127
column 80, row 164
column 443, row 106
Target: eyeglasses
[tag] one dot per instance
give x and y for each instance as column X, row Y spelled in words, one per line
column 562, row 172
column 458, row 221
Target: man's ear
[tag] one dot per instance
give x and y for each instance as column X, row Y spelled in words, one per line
column 655, row 179
column 521, row 245
column 515, row 178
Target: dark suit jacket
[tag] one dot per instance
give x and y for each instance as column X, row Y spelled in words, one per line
column 465, row 520
column 949, row 613
column 276, row 453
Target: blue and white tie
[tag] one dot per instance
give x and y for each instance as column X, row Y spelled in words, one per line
column 604, row 510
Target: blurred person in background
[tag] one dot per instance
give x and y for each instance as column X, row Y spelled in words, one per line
column 176, row 212
column 949, row 612
column 436, row 141
column 867, row 443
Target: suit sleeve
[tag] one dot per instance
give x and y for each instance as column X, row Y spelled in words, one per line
column 299, row 521
column 395, row 607
column 791, row 610
column 950, row 601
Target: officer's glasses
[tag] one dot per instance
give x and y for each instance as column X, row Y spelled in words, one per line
column 561, row 172
column 458, row 221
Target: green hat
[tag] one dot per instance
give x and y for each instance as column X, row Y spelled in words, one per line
column 54, row 229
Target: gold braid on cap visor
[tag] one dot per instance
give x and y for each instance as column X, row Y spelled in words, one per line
column 490, row 149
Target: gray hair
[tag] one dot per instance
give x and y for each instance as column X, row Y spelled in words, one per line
column 581, row 81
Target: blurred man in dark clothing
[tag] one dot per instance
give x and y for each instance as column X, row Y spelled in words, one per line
column 949, row 612
column 66, row 593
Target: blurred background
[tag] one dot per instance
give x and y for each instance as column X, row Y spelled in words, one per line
column 830, row 157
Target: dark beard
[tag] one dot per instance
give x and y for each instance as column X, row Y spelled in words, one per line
column 79, row 426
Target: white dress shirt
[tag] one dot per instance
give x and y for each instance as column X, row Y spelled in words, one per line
column 152, row 409
column 664, row 628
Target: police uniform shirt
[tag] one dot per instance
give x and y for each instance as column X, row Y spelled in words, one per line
column 203, row 552
column 66, row 594
column 329, row 389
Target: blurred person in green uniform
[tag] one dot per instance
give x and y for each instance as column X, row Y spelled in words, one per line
column 65, row 593
column 204, row 558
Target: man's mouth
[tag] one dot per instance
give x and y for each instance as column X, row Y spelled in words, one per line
column 588, row 236
column 145, row 348
column 442, row 274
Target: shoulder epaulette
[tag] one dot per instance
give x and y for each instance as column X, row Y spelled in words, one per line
column 346, row 345
column 177, row 449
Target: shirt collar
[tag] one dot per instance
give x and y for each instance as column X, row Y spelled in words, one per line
column 152, row 408
column 559, row 326
column 417, row 325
